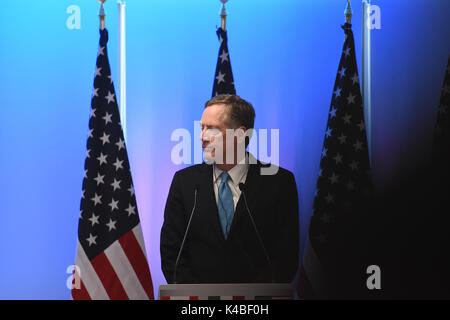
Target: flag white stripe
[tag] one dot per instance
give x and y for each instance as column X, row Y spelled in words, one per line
column 140, row 238
column 125, row 272
column 89, row 277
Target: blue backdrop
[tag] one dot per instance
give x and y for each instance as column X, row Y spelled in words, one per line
column 284, row 56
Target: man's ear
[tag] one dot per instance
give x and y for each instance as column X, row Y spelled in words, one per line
column 240, row 133
column 244, row 129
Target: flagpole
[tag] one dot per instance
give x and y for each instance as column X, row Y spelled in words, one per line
column 102, row 14
column 348, row 13
column 223, row 15
column 367, row 74
column 122, row 67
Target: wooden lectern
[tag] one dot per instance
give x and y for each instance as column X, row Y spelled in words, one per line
column 235, row 291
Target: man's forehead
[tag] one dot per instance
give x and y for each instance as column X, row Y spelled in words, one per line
column 219, row 107
column 214, row 112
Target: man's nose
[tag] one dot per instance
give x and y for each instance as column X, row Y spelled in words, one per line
column 204, row 138
column 202, row 134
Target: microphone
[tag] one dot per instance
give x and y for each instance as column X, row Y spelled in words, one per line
column 243, row 189
column 185, row 235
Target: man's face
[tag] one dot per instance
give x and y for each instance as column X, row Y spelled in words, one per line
column 214, row 125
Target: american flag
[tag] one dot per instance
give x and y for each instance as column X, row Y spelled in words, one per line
column 439, row 206
column 331, row 261
column 441, row 143
column 111, row 260
column 223, row 79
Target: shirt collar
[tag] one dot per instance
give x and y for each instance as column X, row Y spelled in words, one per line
column 236, row 173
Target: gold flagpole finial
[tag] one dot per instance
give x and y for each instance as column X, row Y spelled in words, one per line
column 223, row 15
column 348, row 13
column 102, row 14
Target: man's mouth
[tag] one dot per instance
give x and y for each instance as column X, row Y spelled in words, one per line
column 207, row 147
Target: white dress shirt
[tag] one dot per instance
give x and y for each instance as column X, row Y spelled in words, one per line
column 237, row 175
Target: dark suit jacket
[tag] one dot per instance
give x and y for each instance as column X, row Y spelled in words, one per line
column 207, row 257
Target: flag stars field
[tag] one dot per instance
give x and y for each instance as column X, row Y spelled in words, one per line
column 220, row 77
column 94, row 219
column 351, row 99
column 101, row 51
column 224, row 56
column 107, row 118
column 99, row 179
column 120, row 144
column 105, row 138
column 114, row 204
column 337, row 92
column 97, row 72
column 131, row 210
column 118, row 164
column 338, row 158
column 347, row 51
column 102, row 158
column 111, row 225
column 91, row 239
column 342, row 138
column 346, row 118
column 223, row 78
column 333, row 112
column 131, row 190
column 97, row 199
column 110, row 97
column 116, row 184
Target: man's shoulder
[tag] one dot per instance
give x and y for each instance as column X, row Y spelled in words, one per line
column 192, row 170
column 270, row 170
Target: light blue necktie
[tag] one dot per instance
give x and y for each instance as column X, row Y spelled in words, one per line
column 226, row 204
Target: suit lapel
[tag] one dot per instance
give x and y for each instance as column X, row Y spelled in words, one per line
column 208, row 202
column 252, row 185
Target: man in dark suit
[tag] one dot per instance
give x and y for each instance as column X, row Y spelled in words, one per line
column 244, row 225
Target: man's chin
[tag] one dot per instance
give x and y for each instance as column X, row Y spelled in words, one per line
column 209, row 161
column 208, row 157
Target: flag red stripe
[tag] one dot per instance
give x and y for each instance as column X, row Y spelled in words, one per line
column 108, row 277
column 80, row 294
column 138, row 261
column 304, row 289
